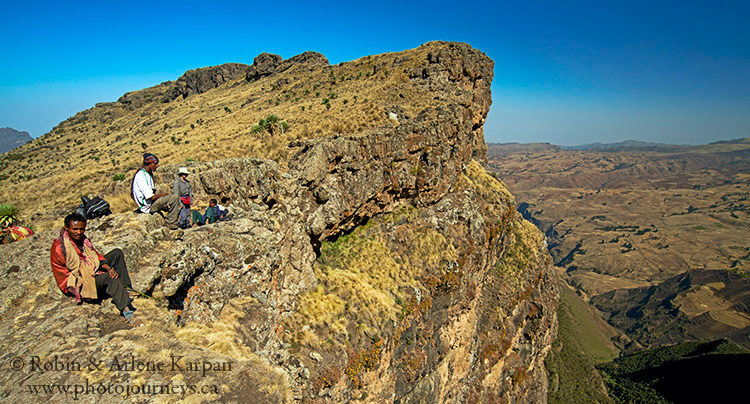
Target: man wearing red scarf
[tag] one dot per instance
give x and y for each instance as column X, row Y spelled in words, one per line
column 81, row 272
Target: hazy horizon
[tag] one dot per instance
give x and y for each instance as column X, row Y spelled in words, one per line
column 567, row 74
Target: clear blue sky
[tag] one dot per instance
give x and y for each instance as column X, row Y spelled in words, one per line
column 565, row 72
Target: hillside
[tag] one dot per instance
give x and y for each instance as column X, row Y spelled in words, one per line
column 11, row 138
column 209, row 113
column 656, row 240
column 371, row 257
column 496, row 150
column 583, row 341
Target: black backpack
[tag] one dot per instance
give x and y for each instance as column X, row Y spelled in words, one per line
column 93, row 208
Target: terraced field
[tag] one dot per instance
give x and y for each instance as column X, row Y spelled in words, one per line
column 630, row 225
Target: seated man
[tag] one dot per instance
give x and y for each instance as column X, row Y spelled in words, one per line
column 145, row 196
column 83, row 273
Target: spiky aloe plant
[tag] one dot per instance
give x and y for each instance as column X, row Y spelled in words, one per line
column 8, row 215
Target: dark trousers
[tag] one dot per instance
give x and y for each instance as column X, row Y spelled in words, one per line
column 115, row 287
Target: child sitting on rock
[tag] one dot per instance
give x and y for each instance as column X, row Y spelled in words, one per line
column 223, row 208
column 212, row 212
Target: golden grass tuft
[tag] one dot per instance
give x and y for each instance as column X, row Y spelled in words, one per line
column 362, row 279
column 121, row 203
column 221, row 335
column 525, row 246
column 490, row 188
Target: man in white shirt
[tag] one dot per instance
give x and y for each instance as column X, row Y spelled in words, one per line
column 145, row 196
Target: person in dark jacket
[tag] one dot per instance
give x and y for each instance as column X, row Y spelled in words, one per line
column 212, row 212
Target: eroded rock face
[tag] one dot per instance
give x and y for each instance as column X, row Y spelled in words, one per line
column 263, row 65
column 267, row 64
column 379, row 267
column 201, row 80
column 309, row 60
column 198, row 81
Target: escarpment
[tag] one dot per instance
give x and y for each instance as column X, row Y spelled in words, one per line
column 379, row 265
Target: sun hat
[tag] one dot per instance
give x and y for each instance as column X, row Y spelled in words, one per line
column 182, row 170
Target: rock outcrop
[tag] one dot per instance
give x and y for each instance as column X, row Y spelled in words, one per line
column 382, row 266
column 263, row 65
column 201, row 80
column 267, row 64
column 198, row 81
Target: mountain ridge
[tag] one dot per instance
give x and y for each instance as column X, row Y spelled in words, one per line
column 11, row 138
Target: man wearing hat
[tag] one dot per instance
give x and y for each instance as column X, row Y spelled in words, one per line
column 145, row 196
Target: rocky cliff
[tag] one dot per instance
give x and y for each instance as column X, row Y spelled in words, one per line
column 381, row 265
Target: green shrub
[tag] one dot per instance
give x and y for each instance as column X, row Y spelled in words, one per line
column 8, row 215
column 118, row 177
column 13, row 156
column 271, row 123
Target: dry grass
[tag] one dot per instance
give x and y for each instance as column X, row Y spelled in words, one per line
column 490, row 188
column 221, row 335
column 362, row 280
column 81, row 154
column 359, row 278
column 121, row 203
column 525, row 244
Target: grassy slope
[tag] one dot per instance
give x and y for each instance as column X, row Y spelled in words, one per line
column 688, row 372
column 82, row 154
column 582, row 342
column 592, row 333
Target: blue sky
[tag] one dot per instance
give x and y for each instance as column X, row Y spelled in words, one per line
column 565, row 72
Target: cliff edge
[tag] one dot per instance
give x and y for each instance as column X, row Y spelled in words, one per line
column 381, row 265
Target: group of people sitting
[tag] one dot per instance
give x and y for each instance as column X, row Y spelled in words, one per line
column 177, row 205
column 214, row 212
column 81, row 272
